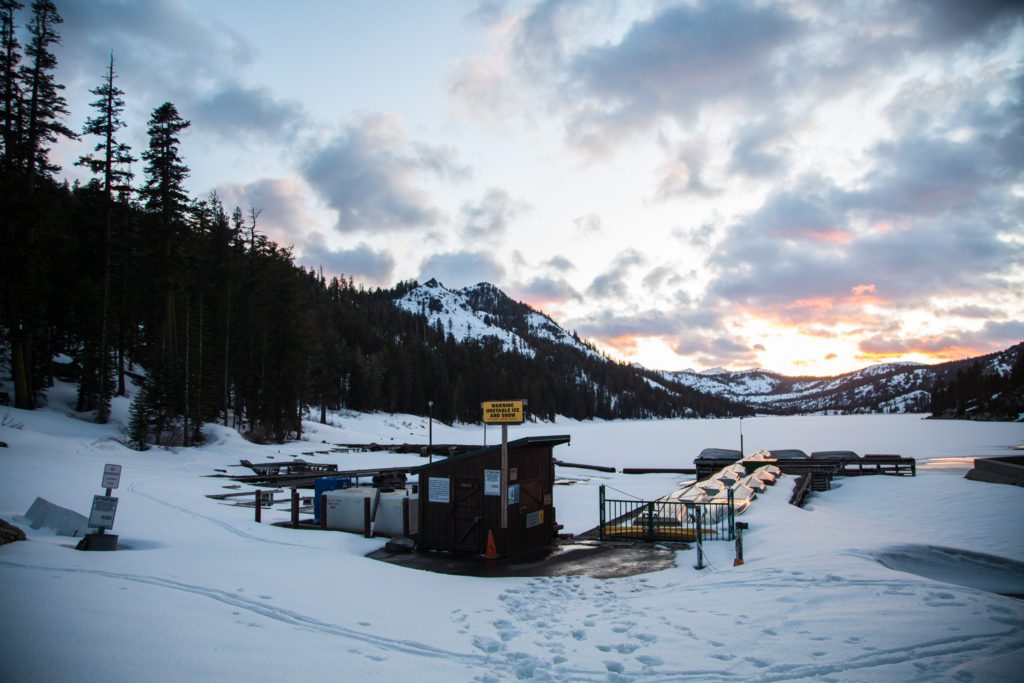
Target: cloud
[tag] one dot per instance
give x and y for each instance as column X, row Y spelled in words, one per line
column 927, row 176
column 661, row 276
column 682, row 175
column 282, row 201
column 974, row 311
column 589, row 224
column 461, row 269
column 612, row 283
column 914, row 227
column 947, row 23
column 689, row 330
column 718, row 350
column 235, row 111
column 368, row 175
column 542, row 292
column 676, row 62
column 154, row 43
column 753, row 154
column 992, row 336
column 488, row 12
column 609, row 326
column 362, row 262
column 490, row 217
column 560, row 264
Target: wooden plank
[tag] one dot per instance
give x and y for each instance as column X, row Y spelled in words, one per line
column 581, row 466
column 658, row 470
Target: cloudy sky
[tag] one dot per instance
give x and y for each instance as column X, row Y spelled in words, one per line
column 805, row 186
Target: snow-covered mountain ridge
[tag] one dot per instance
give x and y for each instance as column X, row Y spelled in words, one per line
column 882, row 388
column 483, row 310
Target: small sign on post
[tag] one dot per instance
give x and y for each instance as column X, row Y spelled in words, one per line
column 111, row 477
column 103, row 510
column 504, row 413
column 101, row 517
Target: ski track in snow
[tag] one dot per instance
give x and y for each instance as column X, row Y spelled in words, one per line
column 269, row 612
column 133, row 488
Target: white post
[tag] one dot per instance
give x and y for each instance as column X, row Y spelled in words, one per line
column 504, row 476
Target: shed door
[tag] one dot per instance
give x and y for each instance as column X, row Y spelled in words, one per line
column 467, row 513
column 530, row 496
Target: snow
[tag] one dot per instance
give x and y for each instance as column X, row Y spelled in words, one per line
column 456, row 313
column 879, row 579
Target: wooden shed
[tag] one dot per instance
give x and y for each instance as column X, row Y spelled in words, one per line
column 460, row 499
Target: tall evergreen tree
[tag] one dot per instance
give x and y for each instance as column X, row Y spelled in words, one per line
column 45, row 107
column 110, row 161
column 33, row 113
column 10, row 57
column 166, row 205
column 10, row 89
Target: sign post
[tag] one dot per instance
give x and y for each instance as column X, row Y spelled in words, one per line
column 111, row 477
column 504, row 413
column 101, row 517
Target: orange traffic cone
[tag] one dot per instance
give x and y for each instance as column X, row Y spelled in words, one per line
column 492, row 552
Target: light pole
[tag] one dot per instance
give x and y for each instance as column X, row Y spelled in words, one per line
column 430, row 441
column 741, row 436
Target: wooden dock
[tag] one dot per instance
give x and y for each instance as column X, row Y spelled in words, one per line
column 819, row 470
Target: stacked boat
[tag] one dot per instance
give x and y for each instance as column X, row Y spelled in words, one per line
column 743, row 479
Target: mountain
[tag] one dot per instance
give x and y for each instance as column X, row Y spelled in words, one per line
column 483, row 310
column 483, row 313
column 986, row 388
column 501, row 348
column 885, row 388
column 983, row 388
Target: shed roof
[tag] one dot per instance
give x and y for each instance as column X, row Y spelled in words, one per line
column 720, row 453
column 517, row 443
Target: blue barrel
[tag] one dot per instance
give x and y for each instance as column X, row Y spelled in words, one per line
column 323, row 485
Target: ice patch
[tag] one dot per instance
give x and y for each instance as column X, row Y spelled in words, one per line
column 961, row 567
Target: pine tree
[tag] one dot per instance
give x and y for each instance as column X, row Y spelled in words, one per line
column 110, row 161
column 10, row 88
column 166, row 203
column 33, row 113
column 45, row 106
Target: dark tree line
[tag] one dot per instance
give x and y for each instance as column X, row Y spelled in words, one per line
column 981, row 390
column 211, row 320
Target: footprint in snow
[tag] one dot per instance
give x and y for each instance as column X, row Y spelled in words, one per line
column 506, row 631
column 650, row 660
column 485, row 644
column 614, row 667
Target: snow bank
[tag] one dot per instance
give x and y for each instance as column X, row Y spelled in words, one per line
column 202, row 592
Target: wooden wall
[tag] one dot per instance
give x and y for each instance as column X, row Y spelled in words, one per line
column 463, row 522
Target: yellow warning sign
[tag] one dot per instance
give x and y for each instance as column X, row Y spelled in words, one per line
column 503, row 412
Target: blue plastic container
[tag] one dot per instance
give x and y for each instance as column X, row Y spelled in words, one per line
column 324, row 484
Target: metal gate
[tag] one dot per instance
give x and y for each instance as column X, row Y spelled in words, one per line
column 658, row 520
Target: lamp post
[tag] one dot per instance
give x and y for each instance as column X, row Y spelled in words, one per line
column 741, row 436
column 430, row 438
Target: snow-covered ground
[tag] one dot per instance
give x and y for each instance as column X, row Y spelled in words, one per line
column 846, row 589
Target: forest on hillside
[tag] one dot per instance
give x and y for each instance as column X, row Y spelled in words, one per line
column 132, row 277
column 980, row 390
